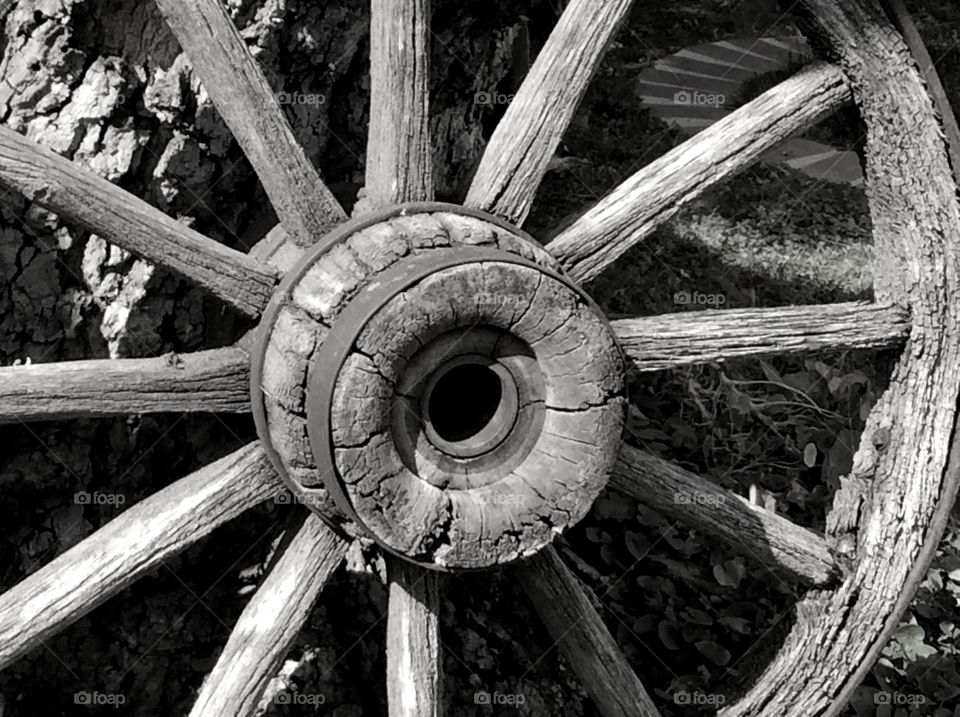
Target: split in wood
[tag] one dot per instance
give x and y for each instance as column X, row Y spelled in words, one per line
column 217, row 381
column 434, row 378
column 687, row 338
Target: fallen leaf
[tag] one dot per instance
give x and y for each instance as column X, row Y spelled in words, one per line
column 713, row 651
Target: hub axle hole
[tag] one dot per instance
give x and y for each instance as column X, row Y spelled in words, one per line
column 463, row 401
column 469, row 406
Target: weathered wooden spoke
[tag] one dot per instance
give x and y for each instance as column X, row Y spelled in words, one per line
column 250, row 108
column 399, row 166
column 655, row 193
column 428, row 377
column 413, row 641
column 695, row 337
column 524, row 142
column 756, row 533
column 567, row 611
column 400, row 169
column 103, row 208
column 217, row 380
column 271, row 621
column 112, row 558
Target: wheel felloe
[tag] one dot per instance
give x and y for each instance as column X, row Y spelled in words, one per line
column 450, row 393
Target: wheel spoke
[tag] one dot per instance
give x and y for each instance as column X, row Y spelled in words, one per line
column 756, row 533
column 139, row 539
column 696, row 337
column 214, row 381
column 524, row 142
column 565, row 607
column 250, row 109
column 413, row 642
column 271, row 621
column 399, row 167
column 103, row 208
column 656, row 192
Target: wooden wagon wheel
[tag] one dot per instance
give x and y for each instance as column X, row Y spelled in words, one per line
column 427, row 377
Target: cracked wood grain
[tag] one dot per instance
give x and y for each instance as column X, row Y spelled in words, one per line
column 413, row 641
column 655, row 193
column 104, row 209
column 272, row 620
column 130, row 545
column 912, row 198
column 217, row 380
column 577, row 420
column 484, row 511
column 399, row 160
column 655, row 343
column 249, row 107
column 566, row 608
column 524, row 141
column 768, row 539
column 911, row 35
column 302, row 324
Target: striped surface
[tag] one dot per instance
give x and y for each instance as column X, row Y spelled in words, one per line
column 695, row 87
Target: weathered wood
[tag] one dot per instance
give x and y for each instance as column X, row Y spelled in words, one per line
column 399, row 160
column 457, row 506
column 250, row 108
column 128, row 546
column 916, row 219
column 655, row 193
column 567, row 611
column 271, row 621
column 313, row 301
column 276, row 249
column 523, row 143
column 413, row 641
column 426, row 508
column 103, row 208
column 770, row 540
column 695, row 337
column 911, row 35
column 209, row 381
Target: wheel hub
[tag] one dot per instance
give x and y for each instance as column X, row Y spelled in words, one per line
column 429, row 375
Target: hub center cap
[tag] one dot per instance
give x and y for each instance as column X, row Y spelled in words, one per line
column 431, row 375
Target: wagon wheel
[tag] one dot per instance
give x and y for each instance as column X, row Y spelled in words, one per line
column 428, row 378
